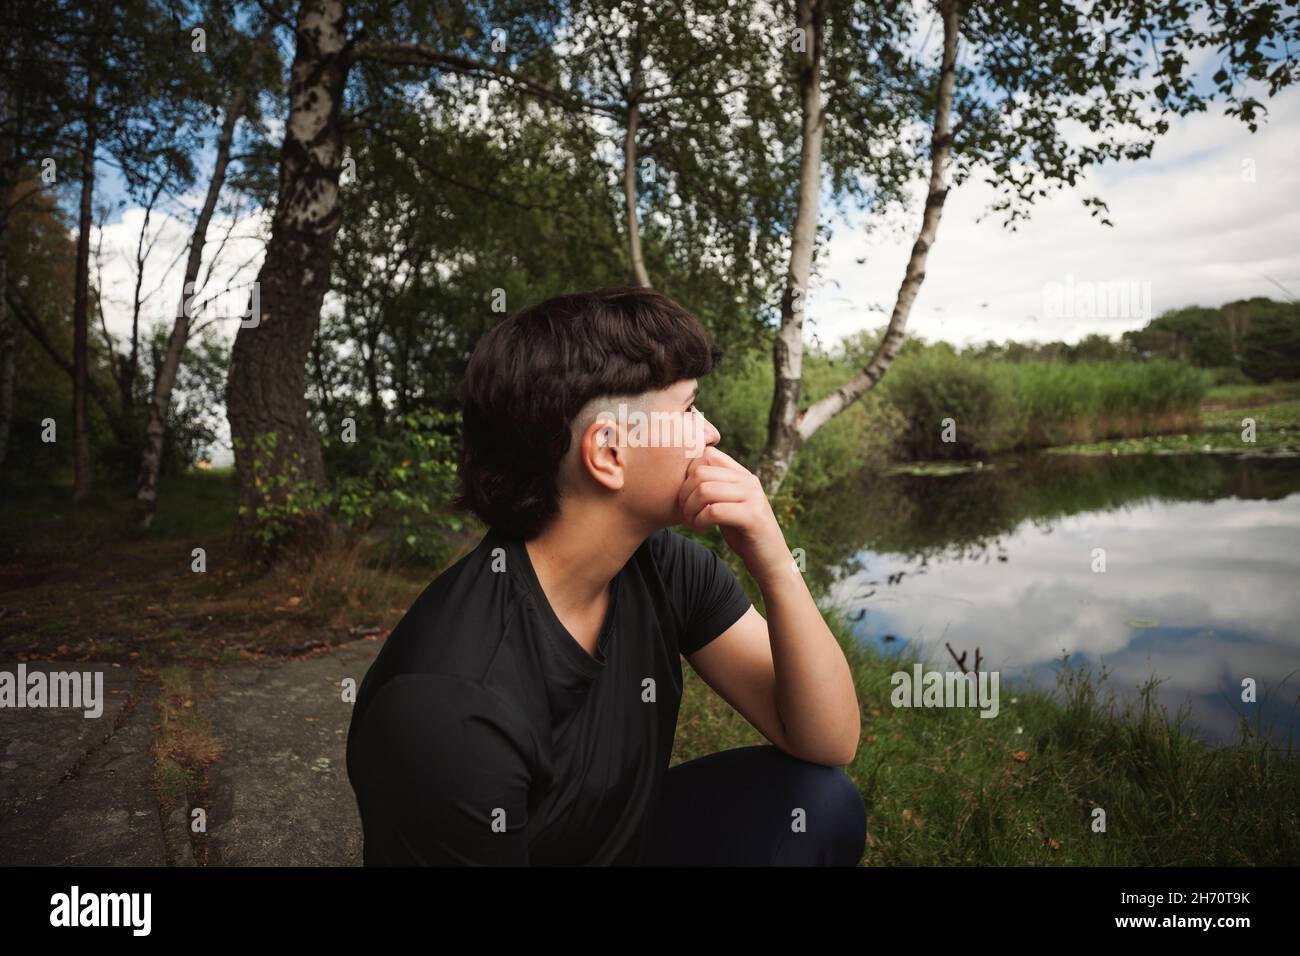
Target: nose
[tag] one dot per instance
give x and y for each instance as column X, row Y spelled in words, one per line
column 711, row 435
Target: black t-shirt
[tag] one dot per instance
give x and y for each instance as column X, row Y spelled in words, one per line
column 484, row 733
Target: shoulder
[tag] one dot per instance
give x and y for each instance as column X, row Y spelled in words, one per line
column 701, row 588
column 668, row 547
column 456, row 624
column 675, row 554
column 439, row 724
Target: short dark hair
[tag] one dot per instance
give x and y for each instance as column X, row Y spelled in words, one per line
column 532, row 373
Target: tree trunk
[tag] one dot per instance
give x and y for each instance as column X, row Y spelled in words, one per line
column 629, row 167
column 146, row 493
column 266, row 390
column 371, row 365
column 81, row 462
column 629, row 198
column 787, row 350
column 8, row 341
column 803, row 426
column 322, row 388
column 27, row 318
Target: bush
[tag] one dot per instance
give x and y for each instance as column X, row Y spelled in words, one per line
column 1228, row 375
column 1271, row 349
column 942, row 395
column 405, row 492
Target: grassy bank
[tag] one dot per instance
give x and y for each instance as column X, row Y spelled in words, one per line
column 1257, row 429
column 945, row 787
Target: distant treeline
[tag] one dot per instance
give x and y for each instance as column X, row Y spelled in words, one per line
column 1259, row 337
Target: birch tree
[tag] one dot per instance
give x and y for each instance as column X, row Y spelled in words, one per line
column 1043, row 93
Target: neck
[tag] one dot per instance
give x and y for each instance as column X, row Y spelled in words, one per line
column 579, row 554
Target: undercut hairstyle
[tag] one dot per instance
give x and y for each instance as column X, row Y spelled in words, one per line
column 531, row 375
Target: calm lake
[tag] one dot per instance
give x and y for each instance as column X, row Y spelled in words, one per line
column 1200, row 588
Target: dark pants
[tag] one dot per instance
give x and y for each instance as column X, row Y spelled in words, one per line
column 741, row 808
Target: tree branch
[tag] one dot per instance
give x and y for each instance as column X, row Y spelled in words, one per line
column 418, row 54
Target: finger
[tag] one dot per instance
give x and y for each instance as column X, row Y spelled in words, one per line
column 713, row 451
column 704, row 473
column 713, row 491
column 719, row 513
column 701, row 475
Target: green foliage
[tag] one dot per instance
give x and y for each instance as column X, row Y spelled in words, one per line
column 863, row 437
column 999, row 406
column 1259, row 336
column 403, row 494
column 1104, row 399
column 411, row 481
column 1195, row 334
column 287, row 502
column 196, row 412
column 979, row 398
column 1229, row 375
column 1272, row 346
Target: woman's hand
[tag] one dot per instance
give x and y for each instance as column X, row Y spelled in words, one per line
column 719, row 490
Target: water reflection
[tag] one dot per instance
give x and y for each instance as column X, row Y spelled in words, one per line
column 1199, row 588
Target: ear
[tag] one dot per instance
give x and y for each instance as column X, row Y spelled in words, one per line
column 602, row 454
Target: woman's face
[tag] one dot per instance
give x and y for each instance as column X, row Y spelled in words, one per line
column 682, row 435
column 657, row 439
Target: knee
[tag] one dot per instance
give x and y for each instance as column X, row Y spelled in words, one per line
column 836, row 816
column 849, row 815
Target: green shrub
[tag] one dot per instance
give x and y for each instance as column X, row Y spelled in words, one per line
column 942, row 395
column 405, row 492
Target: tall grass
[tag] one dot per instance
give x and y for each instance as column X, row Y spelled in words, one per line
column 991, row 407
column 1088, row 401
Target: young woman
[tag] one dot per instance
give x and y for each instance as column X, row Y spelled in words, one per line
column 523, row 710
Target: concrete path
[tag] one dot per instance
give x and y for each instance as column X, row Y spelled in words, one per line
column 76, row 791
column 280, row 796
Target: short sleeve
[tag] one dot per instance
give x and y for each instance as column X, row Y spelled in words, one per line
column 704, row 589
column 441, row 775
